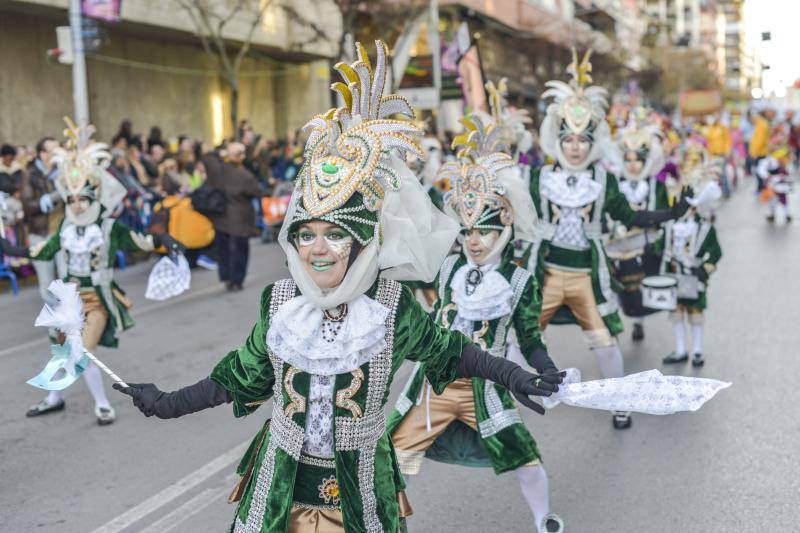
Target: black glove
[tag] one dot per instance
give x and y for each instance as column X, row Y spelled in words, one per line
column 540, row 360
column 173, row 246
column 475, row 362
column 644, row 219
column 701, row 273
column 14, row 251
column 151, row 401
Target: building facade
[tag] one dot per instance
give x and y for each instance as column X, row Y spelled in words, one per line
column 151, row 68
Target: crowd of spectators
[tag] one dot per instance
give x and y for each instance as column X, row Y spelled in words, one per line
column 158, row 172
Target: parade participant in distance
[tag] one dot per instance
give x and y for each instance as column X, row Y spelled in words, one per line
column 571, row 198
column 773, row 172
column 631, row 250
column 691, row 252
column 329, row 339
column 90, row 239
column 484, row 295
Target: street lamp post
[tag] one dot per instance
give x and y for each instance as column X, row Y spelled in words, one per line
column 80, row 94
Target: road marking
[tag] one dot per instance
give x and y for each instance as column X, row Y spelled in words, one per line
column 146, row 309
column 184, row 512
column 24, row 346
column 133, row 515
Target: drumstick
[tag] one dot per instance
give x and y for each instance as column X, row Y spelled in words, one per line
column 104, row 368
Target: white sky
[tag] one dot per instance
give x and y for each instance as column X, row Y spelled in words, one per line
column 782, row 53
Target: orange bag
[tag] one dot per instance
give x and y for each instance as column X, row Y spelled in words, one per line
column 767, row 194
column 191, row 228
column 274, row 208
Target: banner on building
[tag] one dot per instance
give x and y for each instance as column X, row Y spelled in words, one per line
column 472, row 82
column 108, row 10
column 702, row 102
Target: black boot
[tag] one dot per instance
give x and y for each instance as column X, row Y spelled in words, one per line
column 698, row 359
column 638, row 331
column 43, row 408
column 621, row 419
column 552, row 523
column 673, row 358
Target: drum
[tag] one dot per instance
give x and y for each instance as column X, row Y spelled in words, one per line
column 629, row 245
column 782, row 187
column 660, row 292
column 688, row 286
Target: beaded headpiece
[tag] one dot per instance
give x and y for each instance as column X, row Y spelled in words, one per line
column 512, row 122
column 579, row 106
column 476, row 196
column 348, row 155
column 81, row 162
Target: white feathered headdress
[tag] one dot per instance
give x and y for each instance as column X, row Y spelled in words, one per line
column 645, row 141
column 577, row 109
column 512, row 123
column 82, row 164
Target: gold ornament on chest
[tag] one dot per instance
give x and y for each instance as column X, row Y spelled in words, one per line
column 297, row 404
column 344, row 397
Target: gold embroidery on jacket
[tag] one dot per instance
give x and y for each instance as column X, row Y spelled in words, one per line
column 344, row 398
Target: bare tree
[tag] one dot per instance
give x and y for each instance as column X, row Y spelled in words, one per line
column 210, row 19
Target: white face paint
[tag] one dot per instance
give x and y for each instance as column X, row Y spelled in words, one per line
column 324, row 249
column 576, row 149
column 478, row 244
column 82, row 211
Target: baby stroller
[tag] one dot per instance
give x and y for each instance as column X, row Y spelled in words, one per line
column 273, row 209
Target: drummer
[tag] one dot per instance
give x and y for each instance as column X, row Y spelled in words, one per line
column 631, row 251
column 691, row 253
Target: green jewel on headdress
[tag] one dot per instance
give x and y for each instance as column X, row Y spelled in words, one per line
column 476, row 196
column 81, row 162
column 348, row 168
column 580, row 106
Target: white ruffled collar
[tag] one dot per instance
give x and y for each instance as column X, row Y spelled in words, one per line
column 682, row 230
column 490, row 300
column 296, row 335
column 635, row 191
column 570, row 189
column 81, row 242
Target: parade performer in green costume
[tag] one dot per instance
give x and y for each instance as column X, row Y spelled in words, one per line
column 484, row 295
column 328, row 341
column 90, row 239
column 571, row 198
column 691, row 253
column 632, row 250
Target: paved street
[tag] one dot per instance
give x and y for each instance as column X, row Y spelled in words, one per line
column 731, row 466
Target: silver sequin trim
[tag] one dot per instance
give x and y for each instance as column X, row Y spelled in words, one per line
column 318, row 461
column 284, row 433
column 499, row 422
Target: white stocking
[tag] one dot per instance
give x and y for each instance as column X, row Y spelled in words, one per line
column 680, row 336
column 638, row 320
column 697, row 338
column 535, row 489
column 54, row 397
column 610, row 359
column 94, row 380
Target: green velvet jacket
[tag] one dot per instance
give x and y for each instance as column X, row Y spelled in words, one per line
column 116, row 236
column 365, row 463
column 705, row 249
column 502, row 442
column 612, row 203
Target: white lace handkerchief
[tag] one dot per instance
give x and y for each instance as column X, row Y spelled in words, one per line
column 648, row 392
